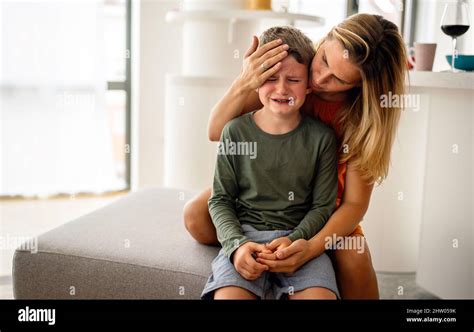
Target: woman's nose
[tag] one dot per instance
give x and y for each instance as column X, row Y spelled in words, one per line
column 322, row 77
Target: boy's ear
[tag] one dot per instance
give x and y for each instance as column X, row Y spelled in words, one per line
column 308, row 90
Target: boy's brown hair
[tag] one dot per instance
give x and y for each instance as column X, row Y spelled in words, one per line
column 300, row 46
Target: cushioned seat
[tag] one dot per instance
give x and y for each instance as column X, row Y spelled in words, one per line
column 135, row 248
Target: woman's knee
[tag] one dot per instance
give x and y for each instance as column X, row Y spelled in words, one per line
column 190, row 215
column 354, row 259
column 197, row 220
column 195, row 210
column 355, row 273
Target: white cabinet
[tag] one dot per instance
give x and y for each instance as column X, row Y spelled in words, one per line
column 446, row 258
column 421, row 219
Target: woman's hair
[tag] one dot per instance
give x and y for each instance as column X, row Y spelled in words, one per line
column 300, row 46
column 367, row 128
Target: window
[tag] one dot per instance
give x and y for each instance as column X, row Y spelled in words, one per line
column 64, row 97
column 333, row 11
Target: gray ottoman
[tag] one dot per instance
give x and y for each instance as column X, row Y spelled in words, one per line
column 135, row 248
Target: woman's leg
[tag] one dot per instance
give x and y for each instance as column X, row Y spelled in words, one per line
column 355, row 274
column 233, row 293
column 197, row 220
column 313, row 293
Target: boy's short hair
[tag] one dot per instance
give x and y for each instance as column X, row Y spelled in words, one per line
column 300, row 46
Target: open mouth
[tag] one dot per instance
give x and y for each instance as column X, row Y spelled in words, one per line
column 283, row 101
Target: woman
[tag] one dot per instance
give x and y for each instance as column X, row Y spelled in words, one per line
column 359, row 61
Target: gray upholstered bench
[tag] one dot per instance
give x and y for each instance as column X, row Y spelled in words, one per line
column 135, row 248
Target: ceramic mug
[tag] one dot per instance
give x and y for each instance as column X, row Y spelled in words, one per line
column 424, row 56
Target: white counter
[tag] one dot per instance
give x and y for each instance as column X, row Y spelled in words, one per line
column 447, row 80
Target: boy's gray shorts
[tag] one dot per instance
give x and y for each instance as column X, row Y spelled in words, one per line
column 316, row 273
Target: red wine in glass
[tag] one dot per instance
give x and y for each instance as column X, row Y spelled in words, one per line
column 454, row 23
column 455, row 30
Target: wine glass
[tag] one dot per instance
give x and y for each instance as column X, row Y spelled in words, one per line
column 454, row 23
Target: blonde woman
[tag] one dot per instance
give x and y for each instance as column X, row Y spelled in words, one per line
column 360, row 60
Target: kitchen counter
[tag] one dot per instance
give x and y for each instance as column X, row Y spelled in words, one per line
column 446, row 80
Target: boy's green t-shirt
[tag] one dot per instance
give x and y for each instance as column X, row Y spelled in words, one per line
column 273, row 182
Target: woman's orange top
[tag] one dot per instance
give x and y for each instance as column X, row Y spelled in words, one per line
column 326, row 112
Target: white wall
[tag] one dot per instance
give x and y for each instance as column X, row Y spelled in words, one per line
column 157, row 53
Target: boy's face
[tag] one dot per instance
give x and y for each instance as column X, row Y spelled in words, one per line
column 285, row 92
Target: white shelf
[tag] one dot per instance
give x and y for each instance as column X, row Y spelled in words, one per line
column 446, row 80
column 240, row 14
column 207, row 81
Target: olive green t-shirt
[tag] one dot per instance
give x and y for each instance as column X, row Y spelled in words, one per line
column 273, row 182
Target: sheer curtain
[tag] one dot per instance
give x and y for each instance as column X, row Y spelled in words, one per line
column 55, row 135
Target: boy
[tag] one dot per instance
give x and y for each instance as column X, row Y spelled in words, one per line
column 275, row 178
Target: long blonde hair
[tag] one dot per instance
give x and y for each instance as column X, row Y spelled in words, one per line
column 375, row 45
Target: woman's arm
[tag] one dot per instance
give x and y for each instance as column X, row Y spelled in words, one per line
column 241, row 96
column 343, row 221
column 235, row 102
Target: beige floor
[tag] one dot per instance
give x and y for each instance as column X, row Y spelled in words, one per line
column 20, row 219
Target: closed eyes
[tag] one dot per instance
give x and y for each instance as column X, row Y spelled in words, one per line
column 292, row 80
column 334, row 76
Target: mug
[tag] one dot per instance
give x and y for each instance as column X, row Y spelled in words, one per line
column 424, row 56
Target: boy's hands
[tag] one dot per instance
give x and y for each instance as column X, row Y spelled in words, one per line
column 278, row 244
column 274, row 249
column 289, row 259
column 245, row 262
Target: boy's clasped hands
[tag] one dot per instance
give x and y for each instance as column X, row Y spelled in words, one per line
column 245, row 257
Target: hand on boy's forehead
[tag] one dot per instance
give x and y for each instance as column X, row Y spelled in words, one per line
column 291, row 67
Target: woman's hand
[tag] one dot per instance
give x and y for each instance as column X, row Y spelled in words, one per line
column 260, row 64
column 287, row 259
column 241, row 96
